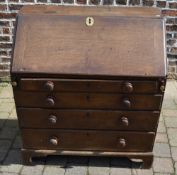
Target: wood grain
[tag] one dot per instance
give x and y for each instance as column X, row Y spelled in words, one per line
column 88, row 119
column 94, row 10
column 87, row 140
column 87, row 100
column 113, row 46
column 86, row 85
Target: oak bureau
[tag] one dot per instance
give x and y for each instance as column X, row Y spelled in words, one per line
column 89, row 80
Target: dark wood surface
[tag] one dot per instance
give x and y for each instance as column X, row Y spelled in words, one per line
column 85, row 85
column 87, row 100
column 87, row 140
column 88, row 119
column 94, row 10
column 69, row 46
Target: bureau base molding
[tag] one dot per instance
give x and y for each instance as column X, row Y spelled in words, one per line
column 146, row 158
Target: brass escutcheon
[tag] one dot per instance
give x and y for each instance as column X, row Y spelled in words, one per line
column 89, row 21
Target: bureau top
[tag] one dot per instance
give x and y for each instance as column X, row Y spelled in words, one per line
column 98, row 41
column 87, row 10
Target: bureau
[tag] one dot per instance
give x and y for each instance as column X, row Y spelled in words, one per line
column 89, row 80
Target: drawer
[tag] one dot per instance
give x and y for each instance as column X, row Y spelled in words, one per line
column 87, row 100
column 87, row 140
column 88, row 119
column 70, row 85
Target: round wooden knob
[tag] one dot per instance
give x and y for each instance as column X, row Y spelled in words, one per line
column 162, row 88
column 49, row 86
column 125, row 121
column 128, row 87
column 122, row 142
column 52, row 119
column 14, row 83
column 126, row 103
column 53, row 141
column 50, row 101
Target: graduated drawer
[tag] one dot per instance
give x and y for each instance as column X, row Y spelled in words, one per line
column 87, row 100
column 87, row 140
column 88, row 119
column 79, row 85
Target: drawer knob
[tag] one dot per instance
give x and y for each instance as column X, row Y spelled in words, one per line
column 52, row 119
column 128, row 87
column 122, row 142
column 49, row 86
column 125, row 121
column 50, row 101
column 126, row 103
column 53, row 141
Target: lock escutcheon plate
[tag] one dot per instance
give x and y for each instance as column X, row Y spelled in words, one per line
column 89, row 21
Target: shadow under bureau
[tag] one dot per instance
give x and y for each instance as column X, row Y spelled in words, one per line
column 89, row 80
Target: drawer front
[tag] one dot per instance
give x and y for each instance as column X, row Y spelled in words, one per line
column 87, row 140
column 70, row 85
column 87, row 100
column 88, row 119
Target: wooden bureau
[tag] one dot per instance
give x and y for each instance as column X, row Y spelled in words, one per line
column 89, row 80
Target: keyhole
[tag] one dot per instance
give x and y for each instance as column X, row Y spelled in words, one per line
column 89, row 20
